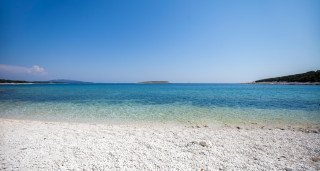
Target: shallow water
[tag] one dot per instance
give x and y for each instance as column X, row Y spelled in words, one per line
column 208, row 103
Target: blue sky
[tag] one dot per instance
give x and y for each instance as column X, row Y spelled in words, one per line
column 179, row 41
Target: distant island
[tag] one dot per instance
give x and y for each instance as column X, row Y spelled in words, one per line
column 58, row 81
column 311, row 77
column 154, row 82
column 68, row 81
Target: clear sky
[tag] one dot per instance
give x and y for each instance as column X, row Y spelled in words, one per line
column 174, row 40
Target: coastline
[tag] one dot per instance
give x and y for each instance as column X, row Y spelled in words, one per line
column 43, row 145
column 286, row 83
column 15, row 83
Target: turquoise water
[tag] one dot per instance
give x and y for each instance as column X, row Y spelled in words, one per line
column 162, row 103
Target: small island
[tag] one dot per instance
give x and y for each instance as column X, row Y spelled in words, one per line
column 154, row 82
column 308, row 78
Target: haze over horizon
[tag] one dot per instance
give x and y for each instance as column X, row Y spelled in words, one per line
column 177, row 41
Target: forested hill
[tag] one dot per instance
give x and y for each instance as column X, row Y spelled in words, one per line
column 311, row 76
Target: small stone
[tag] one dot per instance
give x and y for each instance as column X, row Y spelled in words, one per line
column 203, row 144
column 305, row 130
column 23, row 148
column 205, row 126
column 315, row 159
column 202, row 153
column 191, row 143
column 198, row 126
column 238, row 127
column 288, row 169
column 314, row 131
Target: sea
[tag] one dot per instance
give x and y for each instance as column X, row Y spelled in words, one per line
column 174, row 103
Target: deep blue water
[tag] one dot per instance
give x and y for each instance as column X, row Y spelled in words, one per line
column 180, row 102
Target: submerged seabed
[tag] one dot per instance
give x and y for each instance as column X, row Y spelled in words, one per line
column 208, row 103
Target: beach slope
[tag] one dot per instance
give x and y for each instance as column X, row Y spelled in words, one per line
column 40, row 145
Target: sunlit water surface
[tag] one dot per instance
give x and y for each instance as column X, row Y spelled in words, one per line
column 209, row 103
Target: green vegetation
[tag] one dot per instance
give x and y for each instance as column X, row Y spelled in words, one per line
column 61, row 81
column 13, row 81
column 312, row 76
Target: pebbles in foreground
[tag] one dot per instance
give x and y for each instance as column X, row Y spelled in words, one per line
column 39, row 145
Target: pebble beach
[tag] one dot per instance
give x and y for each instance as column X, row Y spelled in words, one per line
column 42, row 145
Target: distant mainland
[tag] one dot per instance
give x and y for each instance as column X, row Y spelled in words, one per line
column 58, row 81
column 308, row 78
